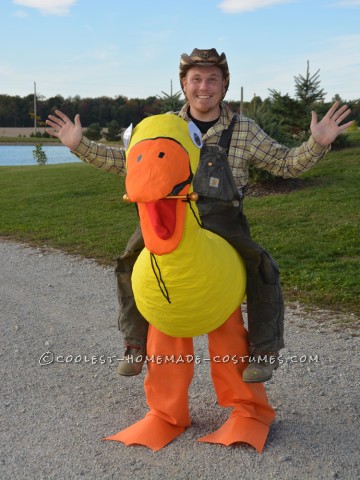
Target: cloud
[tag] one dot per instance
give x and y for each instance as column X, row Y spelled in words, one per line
column 239, row 6
column 46, row 7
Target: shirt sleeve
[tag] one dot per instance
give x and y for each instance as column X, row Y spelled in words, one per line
column 279, row 160
column 110, row 159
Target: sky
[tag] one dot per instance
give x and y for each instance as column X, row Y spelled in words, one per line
column 94, row 48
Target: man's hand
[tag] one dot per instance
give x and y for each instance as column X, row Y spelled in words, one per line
column 68, row 132
column 325, row 131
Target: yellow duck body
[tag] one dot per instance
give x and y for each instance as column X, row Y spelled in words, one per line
column 192, row 285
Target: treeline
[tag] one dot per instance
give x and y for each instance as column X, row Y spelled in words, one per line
column 16, row 111
column 284, row 118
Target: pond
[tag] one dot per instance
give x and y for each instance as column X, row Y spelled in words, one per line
column 20, row 155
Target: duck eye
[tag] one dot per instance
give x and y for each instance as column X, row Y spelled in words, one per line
column 195, row 134
column 161, row 155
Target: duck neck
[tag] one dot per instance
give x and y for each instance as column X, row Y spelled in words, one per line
column 192, row 221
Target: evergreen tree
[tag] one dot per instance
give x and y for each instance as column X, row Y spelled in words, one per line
column 171, row 102
column 290, row 116
column 93, row 131
column 113, row 132
column 39, row 154
column 308, row 89
column 310, row 97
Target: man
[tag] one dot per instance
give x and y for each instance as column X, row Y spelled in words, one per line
column 231, row 143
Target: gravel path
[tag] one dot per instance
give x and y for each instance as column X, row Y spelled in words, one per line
column 54, row 416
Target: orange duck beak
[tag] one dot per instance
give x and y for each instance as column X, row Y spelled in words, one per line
column 156, row 170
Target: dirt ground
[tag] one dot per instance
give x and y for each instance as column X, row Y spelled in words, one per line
column 61, row 394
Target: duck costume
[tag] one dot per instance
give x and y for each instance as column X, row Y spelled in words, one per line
column 187, row 281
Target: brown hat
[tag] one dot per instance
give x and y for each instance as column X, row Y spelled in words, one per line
column 204, row 58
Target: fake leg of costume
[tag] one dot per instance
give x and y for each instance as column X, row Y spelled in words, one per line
column 166, row 386
column 252, row 415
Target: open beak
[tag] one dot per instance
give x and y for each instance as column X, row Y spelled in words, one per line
column 158, row 180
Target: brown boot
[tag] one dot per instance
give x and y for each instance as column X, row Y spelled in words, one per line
column 133, row 361
column 261, row 367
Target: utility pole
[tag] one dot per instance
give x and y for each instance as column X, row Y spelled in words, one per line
column 35, row 113
column 241, row 100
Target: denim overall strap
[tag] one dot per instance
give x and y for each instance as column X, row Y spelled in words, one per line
column 225, row 138
column 221, row 210
column 213, row 180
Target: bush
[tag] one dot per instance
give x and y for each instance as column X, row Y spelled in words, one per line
column 354, row 127
column 38, row 134
column 113, row 132
column 39, row 154
column 257, row 175
column 353, row 137
column 341, row 141
column 93, row 131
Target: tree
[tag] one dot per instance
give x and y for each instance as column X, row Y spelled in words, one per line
column 113, row 132
column 93, row 131
column 309, row 94
column 336, row 98
column 308, row 89
column 170, row 102
column 273, row 116
column 289, row 114
column 39, row 154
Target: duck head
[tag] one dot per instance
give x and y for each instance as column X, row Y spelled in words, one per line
column 163, row 152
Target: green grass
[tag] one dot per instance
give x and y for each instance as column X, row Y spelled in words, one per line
column 353, row 136
column 28, row 140
column 43, row 140
column 312, row 232
column 74, row 207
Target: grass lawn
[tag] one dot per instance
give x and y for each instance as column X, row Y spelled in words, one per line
column 29, row 140
column 74, row 207
column 312, row 232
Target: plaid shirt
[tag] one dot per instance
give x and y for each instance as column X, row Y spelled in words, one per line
column 249, row 145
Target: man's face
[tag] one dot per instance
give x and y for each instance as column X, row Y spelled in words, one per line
column 204, row 90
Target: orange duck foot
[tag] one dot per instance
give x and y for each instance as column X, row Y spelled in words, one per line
column 152, row 432
column 240, row 429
